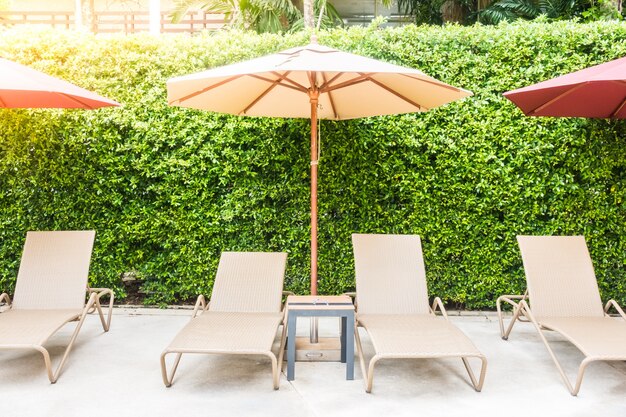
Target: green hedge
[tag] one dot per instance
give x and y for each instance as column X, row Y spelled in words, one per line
column 168, row 189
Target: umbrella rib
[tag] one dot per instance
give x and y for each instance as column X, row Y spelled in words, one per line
column 327, row 83
column 356, row 80
column 395, row 93
column 204, row 90
column 560, row 96
column 433, row 82
column 330, row 97
column 618, row 109
column 297, row 87
column 312, row 75
column 264, row 93
column 75, row 100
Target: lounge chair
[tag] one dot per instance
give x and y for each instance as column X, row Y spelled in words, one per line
column 563, row 292
column 243, row 315
column 50, row 292
column 392, row 305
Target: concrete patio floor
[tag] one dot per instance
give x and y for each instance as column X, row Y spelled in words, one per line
column 118, row 374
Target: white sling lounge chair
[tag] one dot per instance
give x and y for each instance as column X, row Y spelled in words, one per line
column 50, row 292
column 392, row 305
column 243, row 315
column 564, row 296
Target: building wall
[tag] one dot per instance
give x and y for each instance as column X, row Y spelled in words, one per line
column 362, row 8
column 344, row 7
column 353, row 11
column 100, row 5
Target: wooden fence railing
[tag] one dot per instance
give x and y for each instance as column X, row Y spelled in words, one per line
column 115, row 22
column 53, row 19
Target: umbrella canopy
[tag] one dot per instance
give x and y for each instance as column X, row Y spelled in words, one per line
column 348, row 86
column 313, row 82
column 24, row 87
column 598, row 91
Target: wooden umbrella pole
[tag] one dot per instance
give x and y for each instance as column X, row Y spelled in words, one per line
column 314, row 96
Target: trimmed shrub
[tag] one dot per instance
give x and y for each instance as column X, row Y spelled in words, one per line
column 168, row 189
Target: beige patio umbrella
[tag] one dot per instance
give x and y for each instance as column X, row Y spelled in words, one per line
column 313, row 82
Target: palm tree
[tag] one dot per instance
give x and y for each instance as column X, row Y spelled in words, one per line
column 437, row 11
column 308, row 13
column 261, row 15
column 529, row 9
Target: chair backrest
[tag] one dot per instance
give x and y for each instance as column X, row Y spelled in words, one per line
column 560, row 277
column 390, row 274
column 249, row 282
column 54, row 270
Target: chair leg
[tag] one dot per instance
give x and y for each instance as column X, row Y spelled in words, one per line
column 167, row 379
column 54, row 376
column 370, row 373
column 48, row 363
column 99, row 293
column 359, row 349
column 572, row 389
column 581, row 369
column 281, row 351
column 275, row 371
column 516, row 315
column 517, row 311
column 581, row 373
column 277, row 365
column 558, row 365
column 368, row 376
column 478, row 384
column 106, row 324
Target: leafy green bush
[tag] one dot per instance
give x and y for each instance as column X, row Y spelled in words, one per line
column 168, row 189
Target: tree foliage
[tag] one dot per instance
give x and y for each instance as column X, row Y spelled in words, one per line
column 508, row 10
column 168, row 189
column 433, row 11
column 273, row 16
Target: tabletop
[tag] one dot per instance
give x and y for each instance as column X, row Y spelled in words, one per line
column 319, row 302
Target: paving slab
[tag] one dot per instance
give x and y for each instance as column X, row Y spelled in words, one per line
column 118, row 374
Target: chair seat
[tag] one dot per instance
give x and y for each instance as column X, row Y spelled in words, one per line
column 416, row 336
column 228, row 332
column 602, row 338
column 25, row 328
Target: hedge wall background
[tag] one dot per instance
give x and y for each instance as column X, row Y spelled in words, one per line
column 168, row 189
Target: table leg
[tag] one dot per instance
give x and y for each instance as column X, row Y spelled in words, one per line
column 350, row 346
column 291, row 346
column 344, row 319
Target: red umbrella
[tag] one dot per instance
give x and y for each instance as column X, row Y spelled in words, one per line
column 24, row 87
column 598, row 91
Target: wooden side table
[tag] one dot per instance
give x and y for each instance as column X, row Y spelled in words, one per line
column 321, row 306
